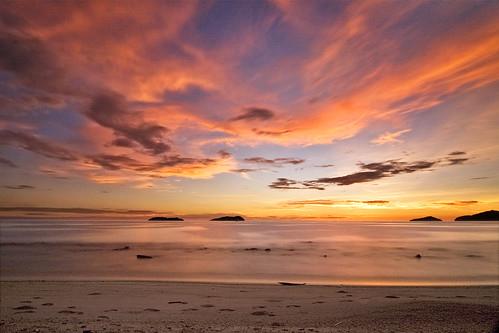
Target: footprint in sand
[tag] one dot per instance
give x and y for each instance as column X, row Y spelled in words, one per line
column 37, row 297
column 103, row 317
column 274, row 300
column 47, row 304
column 259, row 307
column 111, row 310
column 207, row 306
column 341, row 292
column 293, row 306
column 177, row 302
column 27, row 311
column 71, row 307
column 389, row 296
column 25, row 302
column 318, row 302
column 94, row 294
column 346, row 300
column 189, row 310
column 226, row 310
column 151, row 310
column 70, row 312
column 262, row 313
column 25, row 307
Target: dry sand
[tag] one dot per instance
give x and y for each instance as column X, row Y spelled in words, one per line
column 197, row 307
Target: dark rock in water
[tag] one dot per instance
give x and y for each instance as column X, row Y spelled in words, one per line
column 426, row 218
column 291, row 284
column 418, row 256
column 124, row 248
column 162, row 218
column 491, row 215
column 228, row 218
column 251, row 249
column 268, row 250
column 141, row 256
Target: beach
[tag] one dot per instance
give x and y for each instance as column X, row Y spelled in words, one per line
column 85, row 276
column 44, row 306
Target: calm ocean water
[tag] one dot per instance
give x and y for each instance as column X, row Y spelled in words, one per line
column 377, row 253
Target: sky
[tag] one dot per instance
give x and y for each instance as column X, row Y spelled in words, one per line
column 342, row 110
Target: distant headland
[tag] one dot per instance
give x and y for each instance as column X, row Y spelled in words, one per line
column 426, row 218
column 491, row 215
column 162, row 218
column 228, row 218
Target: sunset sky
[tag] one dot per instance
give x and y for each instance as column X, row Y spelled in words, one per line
column 375, row 110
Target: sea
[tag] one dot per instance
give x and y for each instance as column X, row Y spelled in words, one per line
column 255, row 251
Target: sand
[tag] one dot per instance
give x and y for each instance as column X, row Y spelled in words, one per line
column 44, row 306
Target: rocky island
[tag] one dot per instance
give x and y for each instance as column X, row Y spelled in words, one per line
column 426, row 218
column 162, row 218
column 228, row 218
column 490, row 215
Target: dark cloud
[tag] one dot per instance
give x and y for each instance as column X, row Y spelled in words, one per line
column 110, row 110
column 457, row 153
column 116, row 162
column 36, row 145
column 29, row 60
column 276, row 161
column 289, row 184
column 6, row 162
column 74, row 210
column 456, row 161
column 254, row 114
column 224, row 154
column 270, row 133
column 244, row 170
column 19, row 187
column 369, row 172
column 123, row 142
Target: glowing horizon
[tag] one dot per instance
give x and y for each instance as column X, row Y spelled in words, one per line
column 370, row 110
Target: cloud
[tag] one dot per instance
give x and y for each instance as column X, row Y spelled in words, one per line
column 74, row 210
column 19, row 187
column 110, row 110
column 457, row 161
column 270, row 133
column 36, row 145
column 457, row 153
column 254, row 114
column 324, row 166
column 328, row 202
column 30, row 60
column 244, row 170
column 276, row 161
column 289, row 184
column 369, row 172
column 8, row 163
column 458, row 203
column 389, row 137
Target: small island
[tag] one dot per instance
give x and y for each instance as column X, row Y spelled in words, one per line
column 162, row 218
column 426, row 218
column 491, row 215
column 228, row 218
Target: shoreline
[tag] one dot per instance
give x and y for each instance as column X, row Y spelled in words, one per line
column 151, row 306
column 256, row 283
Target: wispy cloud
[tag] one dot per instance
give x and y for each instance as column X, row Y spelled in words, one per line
column 390, row 137
column 368, row 172
column 19, row 187
column 274, row 161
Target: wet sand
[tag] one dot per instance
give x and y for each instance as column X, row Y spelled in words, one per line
column 202, row 307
